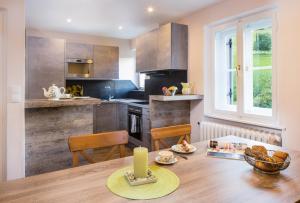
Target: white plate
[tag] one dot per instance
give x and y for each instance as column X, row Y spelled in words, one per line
column 177, row 148
column 165, row 163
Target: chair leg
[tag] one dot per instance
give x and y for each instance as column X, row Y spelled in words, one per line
column 122, row 150
column 153, row 144
column 188, row 138
column 75, row 159
column 156, row 145
column 180, row 139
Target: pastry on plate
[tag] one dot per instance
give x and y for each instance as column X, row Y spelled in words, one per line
column 185, row 146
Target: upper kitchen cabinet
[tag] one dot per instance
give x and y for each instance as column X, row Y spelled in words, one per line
column 162, row 49
column 44, row 65
column 79, row 51
column 146, row 51
column 172, row 46
column 106, row 62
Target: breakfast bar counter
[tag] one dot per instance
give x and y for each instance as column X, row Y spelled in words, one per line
column 48, row 124
column 202, row 179
column 46, row 103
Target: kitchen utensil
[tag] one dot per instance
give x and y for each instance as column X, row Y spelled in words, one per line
column 54, row 92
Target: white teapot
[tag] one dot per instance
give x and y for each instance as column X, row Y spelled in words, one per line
column 54, row 92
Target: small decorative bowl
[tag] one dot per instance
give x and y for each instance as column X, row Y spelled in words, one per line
column 266, row 166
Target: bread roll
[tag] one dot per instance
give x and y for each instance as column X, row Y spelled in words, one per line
column 281, row 155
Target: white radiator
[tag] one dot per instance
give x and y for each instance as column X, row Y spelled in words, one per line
column 211, row 130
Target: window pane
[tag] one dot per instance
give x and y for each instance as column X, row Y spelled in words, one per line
column 142, row 77
column 258, row 76
column 127, row 69
column 225, row 70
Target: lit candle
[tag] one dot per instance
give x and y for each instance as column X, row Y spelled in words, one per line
column 140, row 162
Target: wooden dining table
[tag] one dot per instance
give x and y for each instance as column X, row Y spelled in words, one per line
column 202, row 179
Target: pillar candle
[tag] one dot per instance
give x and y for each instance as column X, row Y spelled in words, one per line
column 140, row 162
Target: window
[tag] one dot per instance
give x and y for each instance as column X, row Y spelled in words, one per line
column 240, row 74
column 127, row 69
column 142, row 78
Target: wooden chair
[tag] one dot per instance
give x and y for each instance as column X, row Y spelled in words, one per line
column 77, row 144
column 158, row 134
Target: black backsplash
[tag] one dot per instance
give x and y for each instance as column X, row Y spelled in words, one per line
column 127, row 89
column 96, row 88
column 153, row 86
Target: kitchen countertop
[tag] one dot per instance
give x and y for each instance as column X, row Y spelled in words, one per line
column 45, row 103
column 127, row 101
column 176, row 97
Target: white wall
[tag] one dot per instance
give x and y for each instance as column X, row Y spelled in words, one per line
column 289, row 70
column 15, row 75
column 287, row 61
column 123, row 44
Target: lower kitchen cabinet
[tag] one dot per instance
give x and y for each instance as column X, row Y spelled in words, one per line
column 105, row 117
column 122, row 116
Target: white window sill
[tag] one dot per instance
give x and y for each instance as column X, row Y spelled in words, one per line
column 260, row 124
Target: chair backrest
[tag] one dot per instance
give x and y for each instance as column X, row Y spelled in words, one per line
column 182, row 131
column 77, row 144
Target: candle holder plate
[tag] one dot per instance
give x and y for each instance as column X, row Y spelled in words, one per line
column 132, row 180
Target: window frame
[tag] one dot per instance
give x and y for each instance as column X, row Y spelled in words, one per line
column 209, row 69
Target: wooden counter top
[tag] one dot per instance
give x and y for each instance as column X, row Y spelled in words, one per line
column 176, row 97
column 202, row 179
column 45, row 103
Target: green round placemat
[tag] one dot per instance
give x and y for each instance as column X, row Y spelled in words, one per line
column 167, row 182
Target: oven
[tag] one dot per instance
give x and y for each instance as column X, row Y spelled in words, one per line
column 79, row 68
column 135, row 124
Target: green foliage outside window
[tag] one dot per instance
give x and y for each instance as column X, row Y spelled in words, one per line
column 262, row 79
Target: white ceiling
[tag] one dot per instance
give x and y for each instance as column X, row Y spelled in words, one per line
column 103, row 17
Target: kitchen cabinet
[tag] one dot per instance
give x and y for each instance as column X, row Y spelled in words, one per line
column 44, row 65
column 123, row 116
column 105, row 117
column 106, row 62
column 79, row 51
column 172, row 46
column 162, row 49
column 146, row 51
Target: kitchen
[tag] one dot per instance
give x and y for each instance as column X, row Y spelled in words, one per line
column 163, row 101
column 102, row 102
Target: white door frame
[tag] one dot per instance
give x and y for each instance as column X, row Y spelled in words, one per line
column 3, row 90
